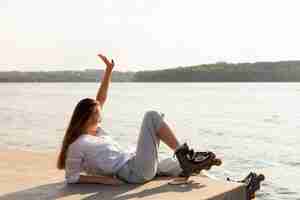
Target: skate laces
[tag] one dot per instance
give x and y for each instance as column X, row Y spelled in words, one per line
column 191, row 155
column 198, row 156
column 184, row 147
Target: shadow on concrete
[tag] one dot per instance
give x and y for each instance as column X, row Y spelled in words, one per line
column 94, row 191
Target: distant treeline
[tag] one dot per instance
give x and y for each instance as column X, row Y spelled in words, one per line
column 218, row 72
column 225, row 72
column 88, row 75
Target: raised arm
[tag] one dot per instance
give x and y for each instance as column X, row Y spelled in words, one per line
column 102, row 91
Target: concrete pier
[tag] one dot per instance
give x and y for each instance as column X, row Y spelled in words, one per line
column 26, row 175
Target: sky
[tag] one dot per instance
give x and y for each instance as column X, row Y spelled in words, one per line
column 40, row 35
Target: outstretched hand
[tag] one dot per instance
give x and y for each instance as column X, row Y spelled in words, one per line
column 117, row 182
column 109, row 64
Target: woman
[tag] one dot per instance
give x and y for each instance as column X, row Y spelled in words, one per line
column 86, row 147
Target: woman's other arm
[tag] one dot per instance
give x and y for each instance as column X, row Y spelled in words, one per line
column 102, row 91
column 108, row 180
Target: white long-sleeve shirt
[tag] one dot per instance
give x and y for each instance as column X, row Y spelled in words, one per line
column 98, row 154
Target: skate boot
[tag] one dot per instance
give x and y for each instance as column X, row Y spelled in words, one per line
column 193, row 162
column 252, row 181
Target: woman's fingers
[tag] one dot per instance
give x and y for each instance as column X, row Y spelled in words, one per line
column 120, row 182
column 112, row 62
column 101, row 56
column 117, row 182
column 106, row 61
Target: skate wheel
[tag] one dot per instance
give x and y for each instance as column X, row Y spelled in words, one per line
column 217, row 162
column 261, row 177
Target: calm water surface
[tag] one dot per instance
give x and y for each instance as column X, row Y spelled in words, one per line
column 251, row 126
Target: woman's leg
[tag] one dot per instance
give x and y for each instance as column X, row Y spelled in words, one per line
column 166, row 134
column 145, row 165
column 153, row 129
column 168, row 167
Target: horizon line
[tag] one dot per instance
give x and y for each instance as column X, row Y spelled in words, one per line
column 85, row 69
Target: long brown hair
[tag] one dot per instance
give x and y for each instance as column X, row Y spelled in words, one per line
column 82, row 112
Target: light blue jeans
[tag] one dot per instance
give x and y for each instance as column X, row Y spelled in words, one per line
column 145, row 165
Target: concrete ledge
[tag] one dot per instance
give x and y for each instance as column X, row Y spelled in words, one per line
column 26, row 175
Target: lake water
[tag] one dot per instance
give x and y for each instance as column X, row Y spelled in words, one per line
column 251, row 126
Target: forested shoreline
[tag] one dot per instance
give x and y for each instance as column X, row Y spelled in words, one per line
column 287, row 71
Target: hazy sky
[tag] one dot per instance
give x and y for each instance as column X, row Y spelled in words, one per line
column 145, row 34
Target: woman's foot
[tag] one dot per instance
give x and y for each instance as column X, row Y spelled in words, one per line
column 193, row 162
